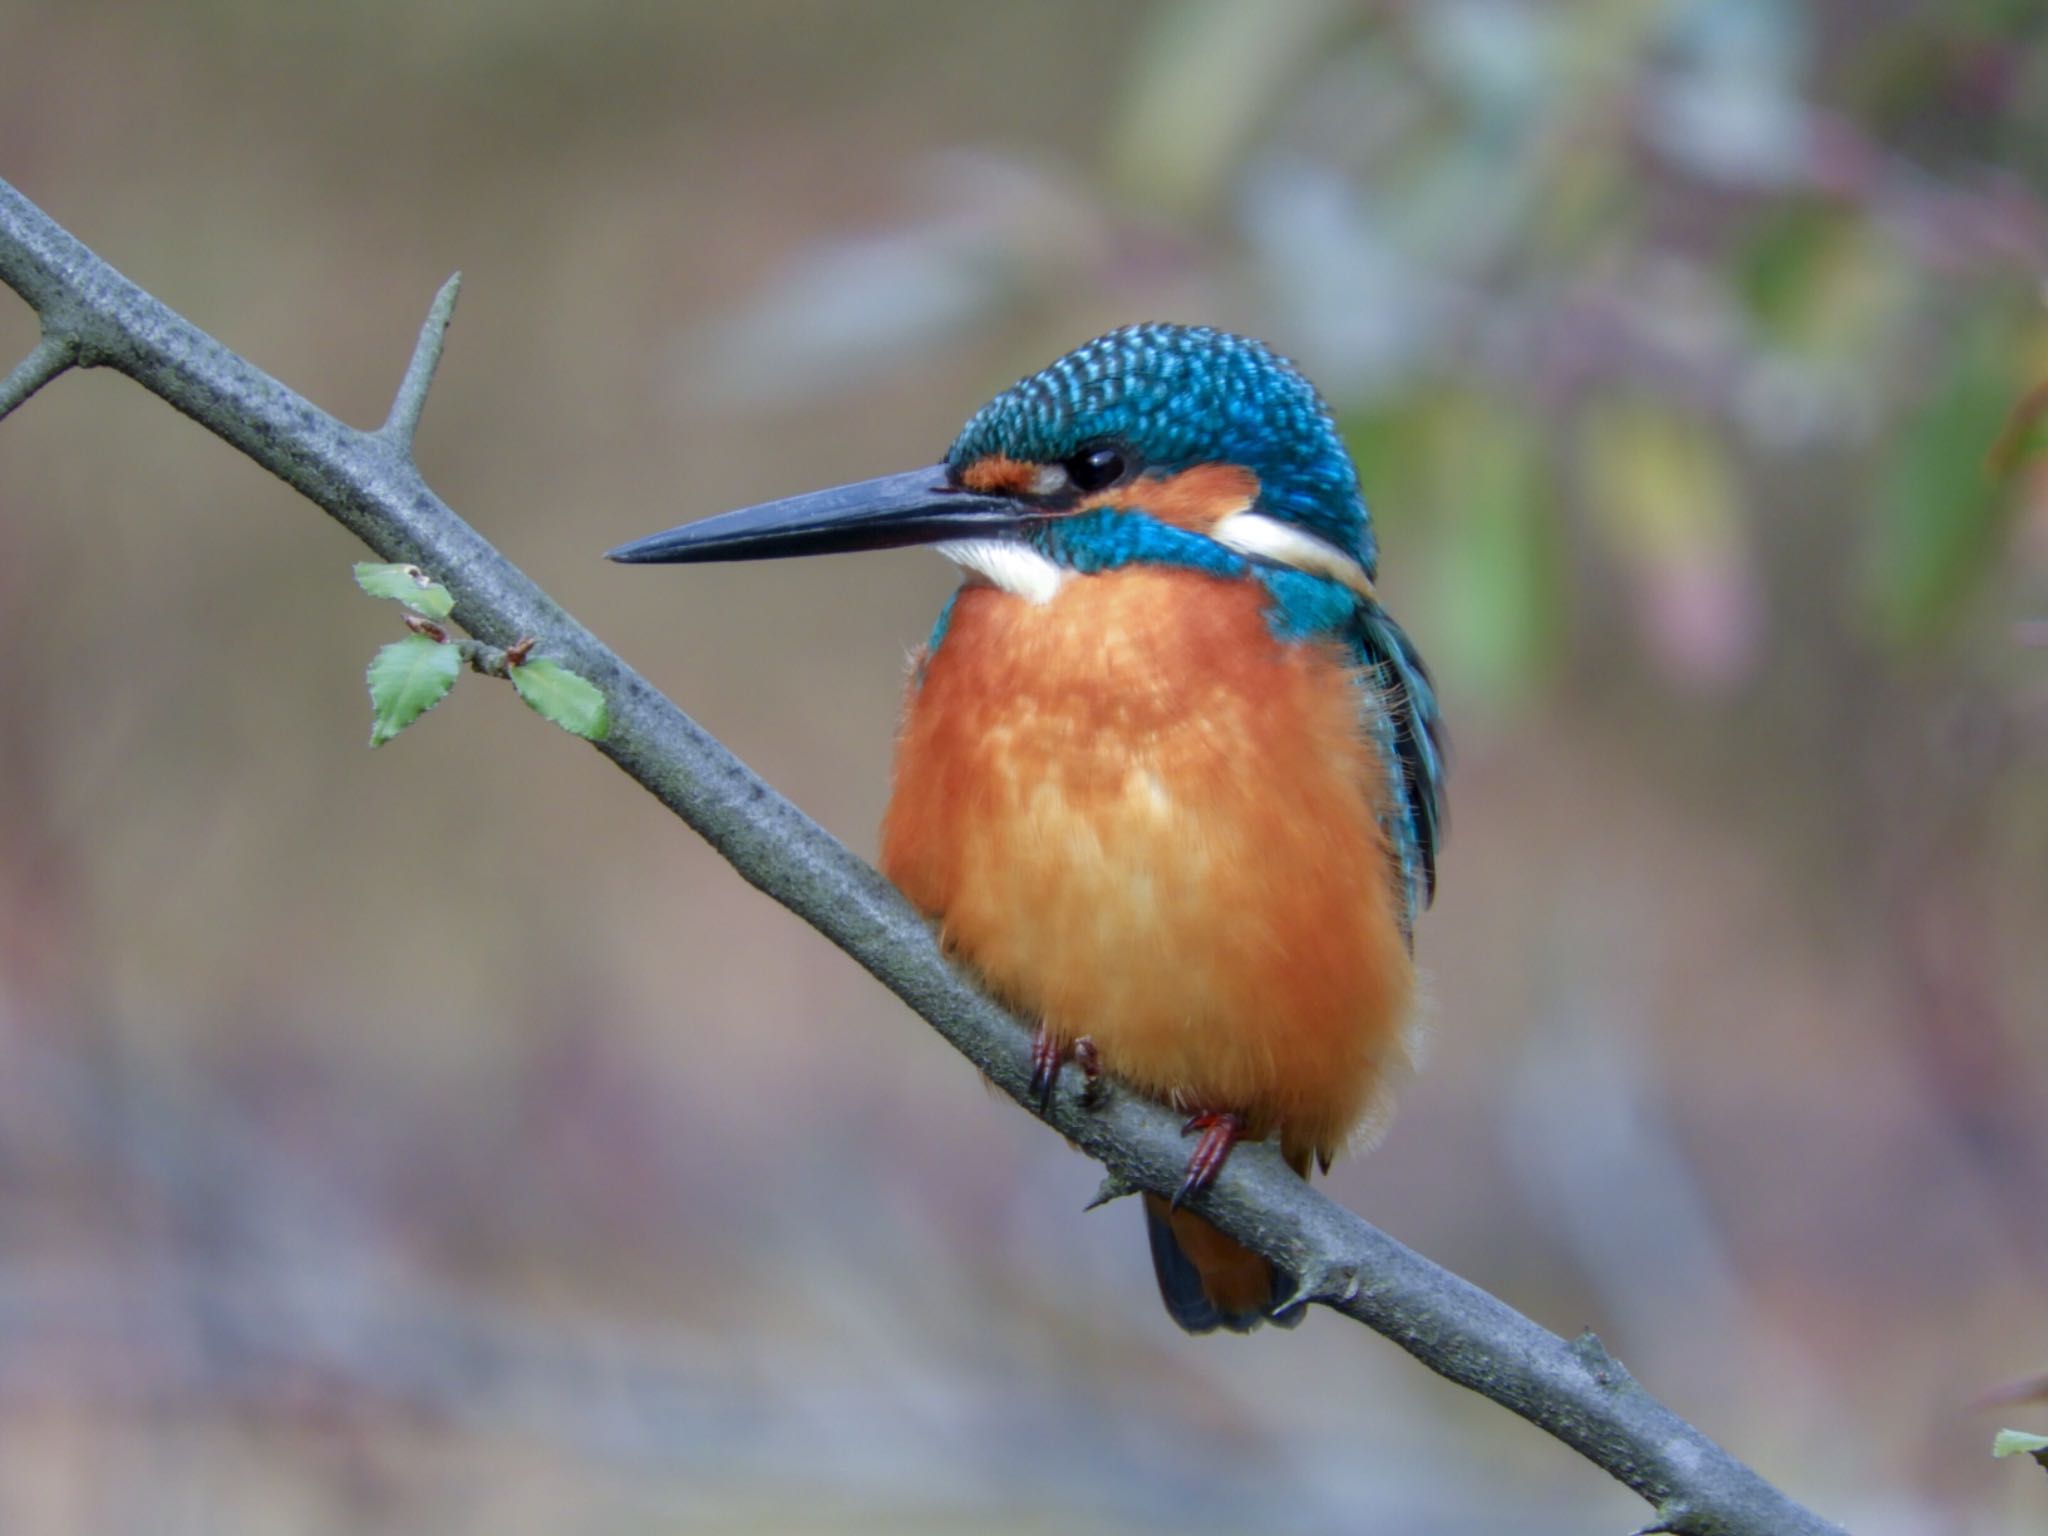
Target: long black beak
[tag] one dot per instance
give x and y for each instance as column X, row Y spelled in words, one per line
column 920, row 507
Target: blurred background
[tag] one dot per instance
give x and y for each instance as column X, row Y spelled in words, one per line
column 445, row 1140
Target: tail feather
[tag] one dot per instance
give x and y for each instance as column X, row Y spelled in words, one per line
column 1208, row 1281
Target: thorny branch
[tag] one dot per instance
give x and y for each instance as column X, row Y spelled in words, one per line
column 50, row 358
column 93, row 317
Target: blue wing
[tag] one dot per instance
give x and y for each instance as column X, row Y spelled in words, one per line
column 1413, row 744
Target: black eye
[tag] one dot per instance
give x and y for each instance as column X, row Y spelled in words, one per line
column 1094, row 468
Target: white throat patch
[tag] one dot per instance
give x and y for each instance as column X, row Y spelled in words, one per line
column 1267, row 538
column 1016, row 568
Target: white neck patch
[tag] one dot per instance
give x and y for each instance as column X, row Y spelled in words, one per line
column 1267, row 538
column 1016, row 568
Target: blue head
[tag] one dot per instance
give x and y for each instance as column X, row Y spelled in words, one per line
column 1128, row 411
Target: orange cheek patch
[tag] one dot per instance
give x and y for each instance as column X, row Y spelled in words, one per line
column 1195, row 499
column 998, row 475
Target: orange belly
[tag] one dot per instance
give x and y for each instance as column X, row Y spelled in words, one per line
column 1143, row 818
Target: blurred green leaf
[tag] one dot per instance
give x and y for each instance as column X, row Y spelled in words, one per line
column 2017, row 1442
column 2024, row 437
column 407, row 678
column 555, row 693
column 1468, row 473
column 407, row 584
column 1496, row 570
column 1659, row 481
column 1774, row 269
column 1201, row 76
column 1666, row 501
column 1941, row 514
column 1390, row 446
column 1824, row 281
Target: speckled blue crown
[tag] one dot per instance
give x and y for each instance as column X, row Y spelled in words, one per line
column 1186, row 395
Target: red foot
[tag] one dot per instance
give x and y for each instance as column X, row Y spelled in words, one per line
column 1046, row 1060
column 1220, row 1130
column 1045, row 1067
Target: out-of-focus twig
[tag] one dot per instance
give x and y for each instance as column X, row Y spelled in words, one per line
column 368, row 481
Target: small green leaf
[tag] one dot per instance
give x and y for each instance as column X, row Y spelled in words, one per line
column 555, row 693
column 2017, row 1442
column 407, row 678
column 407, row 584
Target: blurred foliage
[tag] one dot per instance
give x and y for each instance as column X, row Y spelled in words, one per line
column 1943, row 516
column 1669, row 235
column 1475, row 472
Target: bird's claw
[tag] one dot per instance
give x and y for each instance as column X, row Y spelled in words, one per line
column 1045, row 1067
column 1047, row 1057
column 1220, row 1132
column 1089, row 1060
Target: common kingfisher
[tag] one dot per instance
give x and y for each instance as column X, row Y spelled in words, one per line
column 1169, row 778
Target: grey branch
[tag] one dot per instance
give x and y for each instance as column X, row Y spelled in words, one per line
column 369, row 483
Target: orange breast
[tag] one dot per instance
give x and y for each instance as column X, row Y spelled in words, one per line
column 1144, row 819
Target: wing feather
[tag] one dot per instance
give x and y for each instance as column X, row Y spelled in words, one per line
column 1413, row 739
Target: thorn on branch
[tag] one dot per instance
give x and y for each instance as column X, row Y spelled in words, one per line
column 1305, row 1291
column 1673, row 1519
column 1337, row 1284
column 404, row 419
column 1593, row 1355
column 50, row 357
column 1114, row 1186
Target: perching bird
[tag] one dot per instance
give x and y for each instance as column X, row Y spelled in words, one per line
column 1169, row 776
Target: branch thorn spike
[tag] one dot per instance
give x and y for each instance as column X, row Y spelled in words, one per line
column 404, row 420
column 1312, row 1285
column 1114, row 1186
column 1673, row 1517
column 49, row 357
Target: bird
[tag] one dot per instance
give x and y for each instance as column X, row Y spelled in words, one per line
column 1168, row 777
